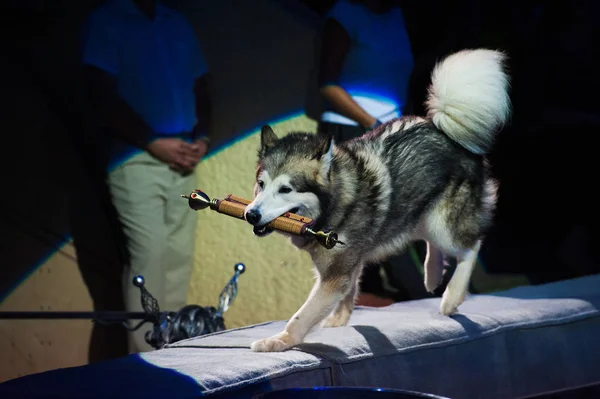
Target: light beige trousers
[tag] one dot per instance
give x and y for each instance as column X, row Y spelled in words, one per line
column 160, row 230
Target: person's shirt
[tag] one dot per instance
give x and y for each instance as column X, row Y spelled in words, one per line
column 155, row 61
column 377, row 68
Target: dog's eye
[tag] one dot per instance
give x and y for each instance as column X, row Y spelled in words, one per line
column 285, row 190
column 261, row 184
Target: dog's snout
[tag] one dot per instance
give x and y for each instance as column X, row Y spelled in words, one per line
column 253, row 216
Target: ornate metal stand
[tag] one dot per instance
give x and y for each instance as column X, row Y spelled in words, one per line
column 168, row 327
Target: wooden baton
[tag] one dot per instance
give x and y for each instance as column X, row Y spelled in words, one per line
column 235, row 206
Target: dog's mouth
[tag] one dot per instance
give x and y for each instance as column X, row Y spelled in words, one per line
column 265, row 229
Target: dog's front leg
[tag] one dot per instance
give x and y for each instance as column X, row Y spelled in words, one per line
column 342, row 312
column 327, row 292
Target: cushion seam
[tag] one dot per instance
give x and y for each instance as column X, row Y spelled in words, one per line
column 275, row 374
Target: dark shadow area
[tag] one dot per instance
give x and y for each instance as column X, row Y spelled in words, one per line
column 38, row 156
column 70, row 172
column 469, row 326
column 322, row 349
column 129, row 376
column 379, row 344
column 347, row 392
column 544, row 159
column 584, row 392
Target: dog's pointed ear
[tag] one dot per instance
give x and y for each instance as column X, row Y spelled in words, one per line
column 325, row 147
column 325, row 155
column 268, row 139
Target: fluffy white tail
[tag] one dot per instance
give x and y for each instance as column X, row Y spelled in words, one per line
column 468, row 97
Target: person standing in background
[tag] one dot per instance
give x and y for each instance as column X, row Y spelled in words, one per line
column 365, row 70
column 365, row 67
column 148, row 85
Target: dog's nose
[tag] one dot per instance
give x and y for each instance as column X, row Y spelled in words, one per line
column 253, row 216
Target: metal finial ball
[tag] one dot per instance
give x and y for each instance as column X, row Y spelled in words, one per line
column 198, row 200
column 138, row 281
column 239, row 267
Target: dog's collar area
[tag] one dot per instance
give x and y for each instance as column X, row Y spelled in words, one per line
column 318, row 224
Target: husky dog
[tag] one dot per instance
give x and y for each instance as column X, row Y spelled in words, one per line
column 412, row 178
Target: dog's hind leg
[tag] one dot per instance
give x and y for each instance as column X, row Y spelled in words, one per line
column 328, row 291
column 341, row 314
column 456, row 290
column 434, row 267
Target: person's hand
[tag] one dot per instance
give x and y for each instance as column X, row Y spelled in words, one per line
column 175, row 152
column 370, row 123
column 200, row 148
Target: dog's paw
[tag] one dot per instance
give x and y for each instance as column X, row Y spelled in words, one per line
column 276, row 343
column 451, row 302
column 336, row 319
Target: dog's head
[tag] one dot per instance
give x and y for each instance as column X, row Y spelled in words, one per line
column 293, row 175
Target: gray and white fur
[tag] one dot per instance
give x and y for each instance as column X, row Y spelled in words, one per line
column 412, row 178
